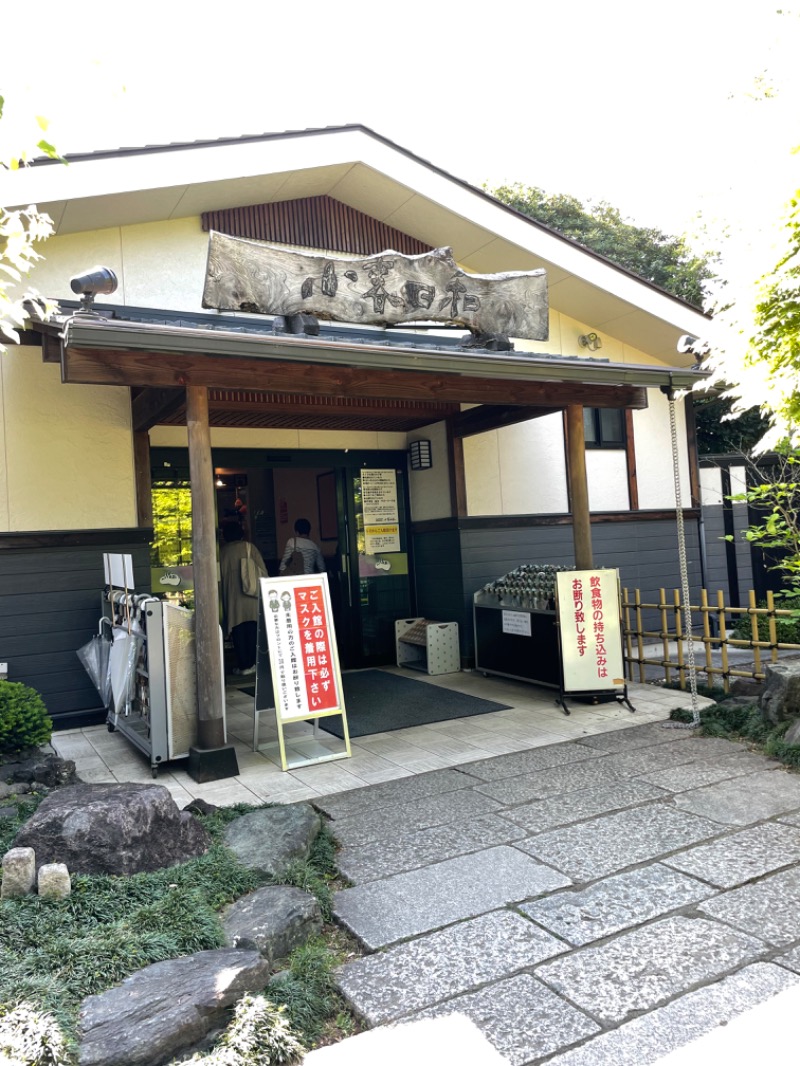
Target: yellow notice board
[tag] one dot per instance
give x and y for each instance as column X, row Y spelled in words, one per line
column 303, row 655
column 587, row 603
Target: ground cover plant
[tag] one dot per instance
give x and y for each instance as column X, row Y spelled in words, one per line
column 727, row 718
column 53, row 953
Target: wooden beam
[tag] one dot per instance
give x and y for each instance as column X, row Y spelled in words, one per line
column 457, row 471
column 579, row 488
column 141, row 466
column 691, row 439
column 630, row 462
column 486, row 417
column 211, row 731
column 51, row 348
column 169, row 370
column 150, row 406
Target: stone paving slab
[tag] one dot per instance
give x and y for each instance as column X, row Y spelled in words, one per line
column 553, row 781
column 522, row 1019
column 408, row 851
column 382, row 912
column 647, row 1039
column 739, row 857
column 547, row 814
column 423, row 972
column 638, row 736
column 768, row 908
column 745, row 800
column 527, row 762
column 390, row 793
column 642, row 969
column 406, row 817
column 665, row 756
column 616, row 903
column 608, row 844
column 791, row 960
column 696, row 774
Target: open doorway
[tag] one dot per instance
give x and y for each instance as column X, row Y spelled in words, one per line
column 365, row 547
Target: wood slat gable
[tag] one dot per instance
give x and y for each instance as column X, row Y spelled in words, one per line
column 250, row 409
column 313, row 222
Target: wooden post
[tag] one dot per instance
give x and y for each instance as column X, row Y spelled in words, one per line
column 141, row 466
column 211, row 732
column 578, row 487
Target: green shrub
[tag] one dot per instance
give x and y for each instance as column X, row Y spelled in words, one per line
column 787, row 630
column 24, row 721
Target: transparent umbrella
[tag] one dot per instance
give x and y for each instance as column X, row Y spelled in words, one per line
column 95, row 656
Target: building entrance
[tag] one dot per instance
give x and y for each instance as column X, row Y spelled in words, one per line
column 357, row 506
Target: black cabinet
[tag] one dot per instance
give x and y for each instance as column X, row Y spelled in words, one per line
column 518, row 643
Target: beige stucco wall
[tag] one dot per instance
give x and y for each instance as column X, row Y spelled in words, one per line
column 653, row 444
column 522, row 469
column 429, row 490
column 175, row 437
column 158, row 264
column 66, row 459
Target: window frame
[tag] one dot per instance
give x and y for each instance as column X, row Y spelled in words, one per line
column 599, row 443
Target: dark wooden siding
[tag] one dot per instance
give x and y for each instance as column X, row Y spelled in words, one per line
column 717, row 552
column 313, row 222
column 438, row 578
column 50, row 604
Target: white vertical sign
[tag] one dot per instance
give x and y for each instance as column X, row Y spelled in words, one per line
column 591, row 634
column 380, row 510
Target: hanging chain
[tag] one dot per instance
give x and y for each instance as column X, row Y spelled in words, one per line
column 684, row 568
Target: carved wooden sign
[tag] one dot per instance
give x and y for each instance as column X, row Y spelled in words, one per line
column 381, row 290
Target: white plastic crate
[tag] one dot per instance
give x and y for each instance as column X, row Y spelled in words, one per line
column 431, row 647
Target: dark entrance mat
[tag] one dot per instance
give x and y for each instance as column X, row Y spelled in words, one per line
column 378, row 702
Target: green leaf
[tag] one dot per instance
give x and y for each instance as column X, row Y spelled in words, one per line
column 48, row 149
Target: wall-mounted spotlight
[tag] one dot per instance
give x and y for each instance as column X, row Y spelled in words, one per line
column 590, row 341
column 419, row 453
column 687, row 344
column 97, row 281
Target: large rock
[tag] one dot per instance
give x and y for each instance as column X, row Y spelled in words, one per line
column 273, row 920
column 166, row 1008
column 51, row 771
column 112, row 829
column 269, row 840
column 780, row 699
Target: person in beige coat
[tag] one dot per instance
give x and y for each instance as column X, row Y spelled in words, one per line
column 240, row 610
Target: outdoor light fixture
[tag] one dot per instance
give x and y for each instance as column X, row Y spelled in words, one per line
column 219, row 482
column 419, row 452
column 96, row 281
column 590, row 341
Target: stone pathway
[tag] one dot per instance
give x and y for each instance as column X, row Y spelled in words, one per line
column 598, row 902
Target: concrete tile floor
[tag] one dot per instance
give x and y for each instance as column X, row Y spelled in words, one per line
column 533, row 720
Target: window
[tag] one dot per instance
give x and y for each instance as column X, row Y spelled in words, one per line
column 604, row 427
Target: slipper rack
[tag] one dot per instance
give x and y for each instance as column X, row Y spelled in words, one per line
column 431, row 647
